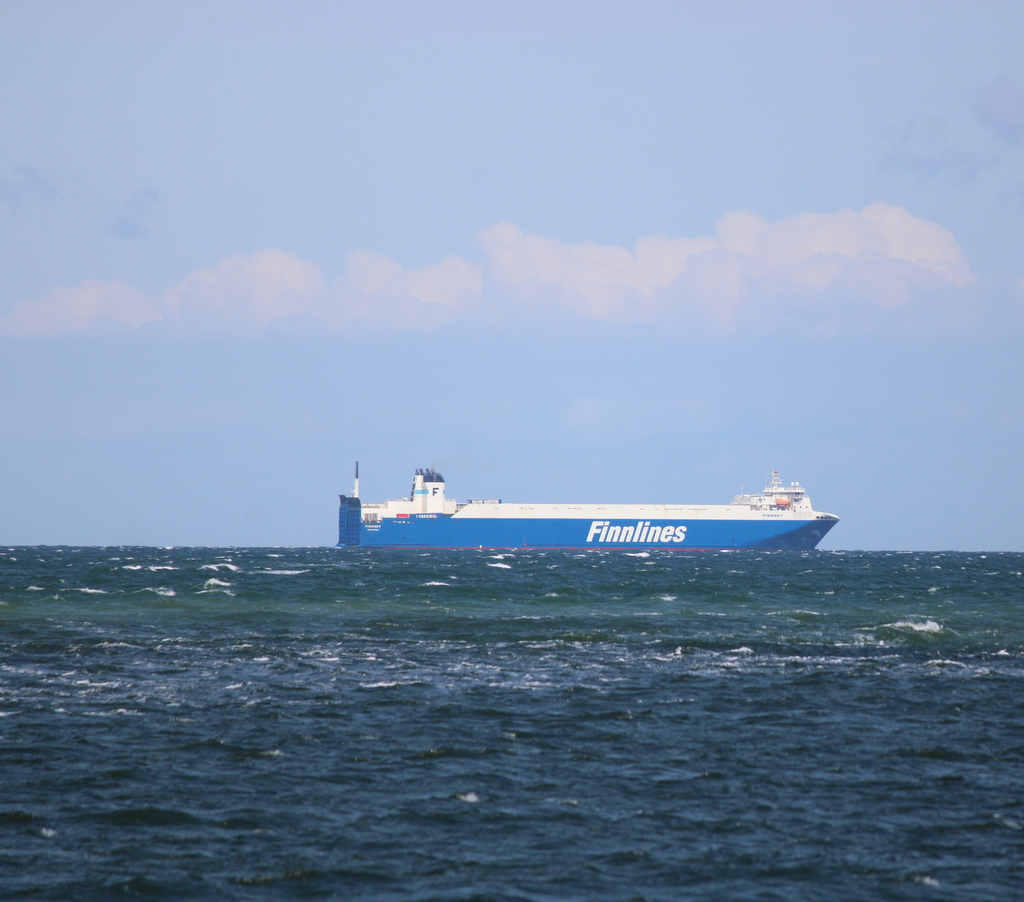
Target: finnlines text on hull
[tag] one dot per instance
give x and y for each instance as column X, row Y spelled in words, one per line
column 603, row 531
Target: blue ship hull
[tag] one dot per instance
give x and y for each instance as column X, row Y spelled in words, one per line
column 440, row 531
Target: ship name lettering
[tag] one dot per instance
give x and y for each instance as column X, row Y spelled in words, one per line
column 643, row 533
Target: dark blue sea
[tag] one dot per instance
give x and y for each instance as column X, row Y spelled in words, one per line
column 248, row 723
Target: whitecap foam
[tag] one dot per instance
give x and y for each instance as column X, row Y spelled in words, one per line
column 284, row 572
column 637, row 554
column 470, row 797
column 221, row 566
column 929, row 626
column 92, row 591
column 211, row 583
column 435, row 582
column 502, row 566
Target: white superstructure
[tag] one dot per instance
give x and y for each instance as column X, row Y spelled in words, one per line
column 776, row 502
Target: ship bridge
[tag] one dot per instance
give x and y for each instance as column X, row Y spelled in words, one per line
column 776, row 496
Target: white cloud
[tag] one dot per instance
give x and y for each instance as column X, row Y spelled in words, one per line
column 880, row 255
column 879, row 231
column 830, row 270
column 92, row 303
column 453, row 282
column 595, row 280
column 246, row 292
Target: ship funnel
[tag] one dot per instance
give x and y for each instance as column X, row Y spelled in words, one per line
column 355, row 484
column 428, row 491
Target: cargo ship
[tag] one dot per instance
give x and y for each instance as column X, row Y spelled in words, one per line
column 779, row 517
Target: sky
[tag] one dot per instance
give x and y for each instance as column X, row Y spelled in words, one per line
column 564, row 251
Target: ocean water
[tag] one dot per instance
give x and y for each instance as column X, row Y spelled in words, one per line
column 192, row 723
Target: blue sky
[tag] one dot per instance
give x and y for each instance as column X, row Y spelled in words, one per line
column 564, row 251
